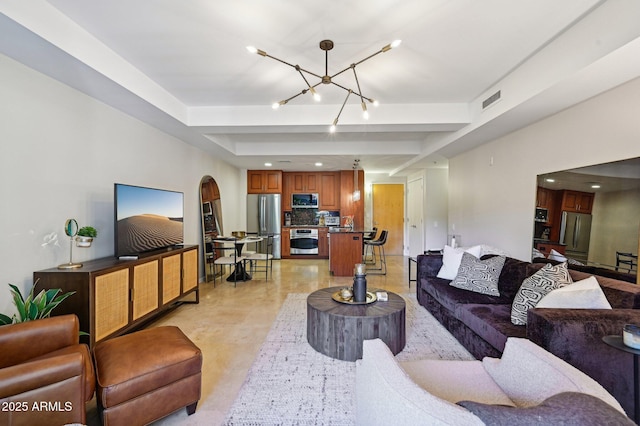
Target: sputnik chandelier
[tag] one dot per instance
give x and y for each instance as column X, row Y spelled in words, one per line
column 327, row 45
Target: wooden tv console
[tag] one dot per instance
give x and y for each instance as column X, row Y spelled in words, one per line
column 116, row 296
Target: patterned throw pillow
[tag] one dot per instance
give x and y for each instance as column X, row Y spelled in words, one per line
column 478, row 275
column 534, row 288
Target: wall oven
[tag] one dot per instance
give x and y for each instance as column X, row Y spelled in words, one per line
column 304, row 241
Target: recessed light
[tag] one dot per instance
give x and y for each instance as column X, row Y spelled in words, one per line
column 318, row 164
column 268, row 164
column 595, row 186
column 549, row 180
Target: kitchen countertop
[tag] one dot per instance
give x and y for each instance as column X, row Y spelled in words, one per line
column 305, row 226
column 541, row 240
column 342, row 229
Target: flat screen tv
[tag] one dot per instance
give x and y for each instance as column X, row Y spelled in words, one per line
column 147, row 219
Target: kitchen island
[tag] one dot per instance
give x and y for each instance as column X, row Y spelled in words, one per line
column 345, row 250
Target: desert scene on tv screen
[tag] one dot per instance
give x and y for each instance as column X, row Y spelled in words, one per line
column 148, row 220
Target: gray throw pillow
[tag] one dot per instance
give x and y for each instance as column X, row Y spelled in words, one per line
column 567, row 408
column 536, row 287
column 480, row 276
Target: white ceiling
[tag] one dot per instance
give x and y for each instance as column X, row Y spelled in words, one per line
column 182, row 66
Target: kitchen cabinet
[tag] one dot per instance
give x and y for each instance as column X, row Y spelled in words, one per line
column 544, row 197
column 210, row 191
column 329, row 191
column 347, row 205
column 264, row 182
column 113, row 296
column 287, row 190
column 345, row 252
column 577, row 201
column 285, row 243
column 549, row 199
column 323, row 243
column 304, row 182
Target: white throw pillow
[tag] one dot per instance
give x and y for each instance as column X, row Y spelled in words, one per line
column 585, row 294
column 529, row 374
column 556, row 255
column 451, row 260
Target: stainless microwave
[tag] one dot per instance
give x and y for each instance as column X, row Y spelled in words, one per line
column 542, row 215
column 304, row 201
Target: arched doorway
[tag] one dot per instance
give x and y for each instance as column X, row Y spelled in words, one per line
column 211, row 216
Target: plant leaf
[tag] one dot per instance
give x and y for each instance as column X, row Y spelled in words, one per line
column 40, row 301
column 33, row 312
column 5, row 320
column 47, row 310
column 52, row 293
column 18, row 300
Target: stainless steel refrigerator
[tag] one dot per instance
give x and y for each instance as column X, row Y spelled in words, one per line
column 264, row 218
column 575, row 232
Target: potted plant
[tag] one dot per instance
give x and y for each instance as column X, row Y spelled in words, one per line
column 85, row 236
column 33, row 307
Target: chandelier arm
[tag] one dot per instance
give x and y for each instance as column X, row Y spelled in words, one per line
column 357, row 83
column 296, row 67
column 353, row 91
column 342, row 107
column 305, row 80
column 368, row 57
column 295, row 96
column 304, row 91
column 279, row 60
column 340, row 72
column 310, row 73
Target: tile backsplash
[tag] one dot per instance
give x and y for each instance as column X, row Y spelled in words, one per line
column 304, row 217
column 307, row 217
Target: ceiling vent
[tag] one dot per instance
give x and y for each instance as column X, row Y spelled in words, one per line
column 491, row 100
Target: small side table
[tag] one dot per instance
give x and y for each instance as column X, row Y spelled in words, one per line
column 414, row 261
column 617, row 342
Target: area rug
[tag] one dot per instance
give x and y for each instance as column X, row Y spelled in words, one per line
column 290, row 383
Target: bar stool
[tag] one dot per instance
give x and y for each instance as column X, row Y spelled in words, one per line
column 379, row 242
column 368, row 236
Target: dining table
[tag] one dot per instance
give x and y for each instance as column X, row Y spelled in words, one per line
column 239, row 273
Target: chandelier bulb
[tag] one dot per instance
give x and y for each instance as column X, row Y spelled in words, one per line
column 365, row 113
column 375, row 102
column 315, row 94
column 391, row 45
column 252, row 49
column 275, row 105
column 332, row 129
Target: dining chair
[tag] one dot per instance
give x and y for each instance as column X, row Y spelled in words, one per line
column 226, row 255
column 379, row 242
column 628, row 261
column 262, row 261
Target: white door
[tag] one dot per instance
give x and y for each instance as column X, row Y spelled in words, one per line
column 415, row 201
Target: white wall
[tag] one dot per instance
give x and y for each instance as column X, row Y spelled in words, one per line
column 435, row 200
column 615, row 225
column 60, row 154
column 492, row 188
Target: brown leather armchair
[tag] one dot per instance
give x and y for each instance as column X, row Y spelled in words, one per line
column 46, row 375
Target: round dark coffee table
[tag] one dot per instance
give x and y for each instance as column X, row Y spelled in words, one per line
column 337, row 329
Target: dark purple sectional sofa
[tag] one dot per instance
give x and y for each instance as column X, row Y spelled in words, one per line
column 482, row 323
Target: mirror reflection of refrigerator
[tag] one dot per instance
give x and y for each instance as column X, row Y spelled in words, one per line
column 575, row 232
column 264, row 218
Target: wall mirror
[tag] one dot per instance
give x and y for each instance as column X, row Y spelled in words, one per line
column 211, row 215
column 589, row 213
